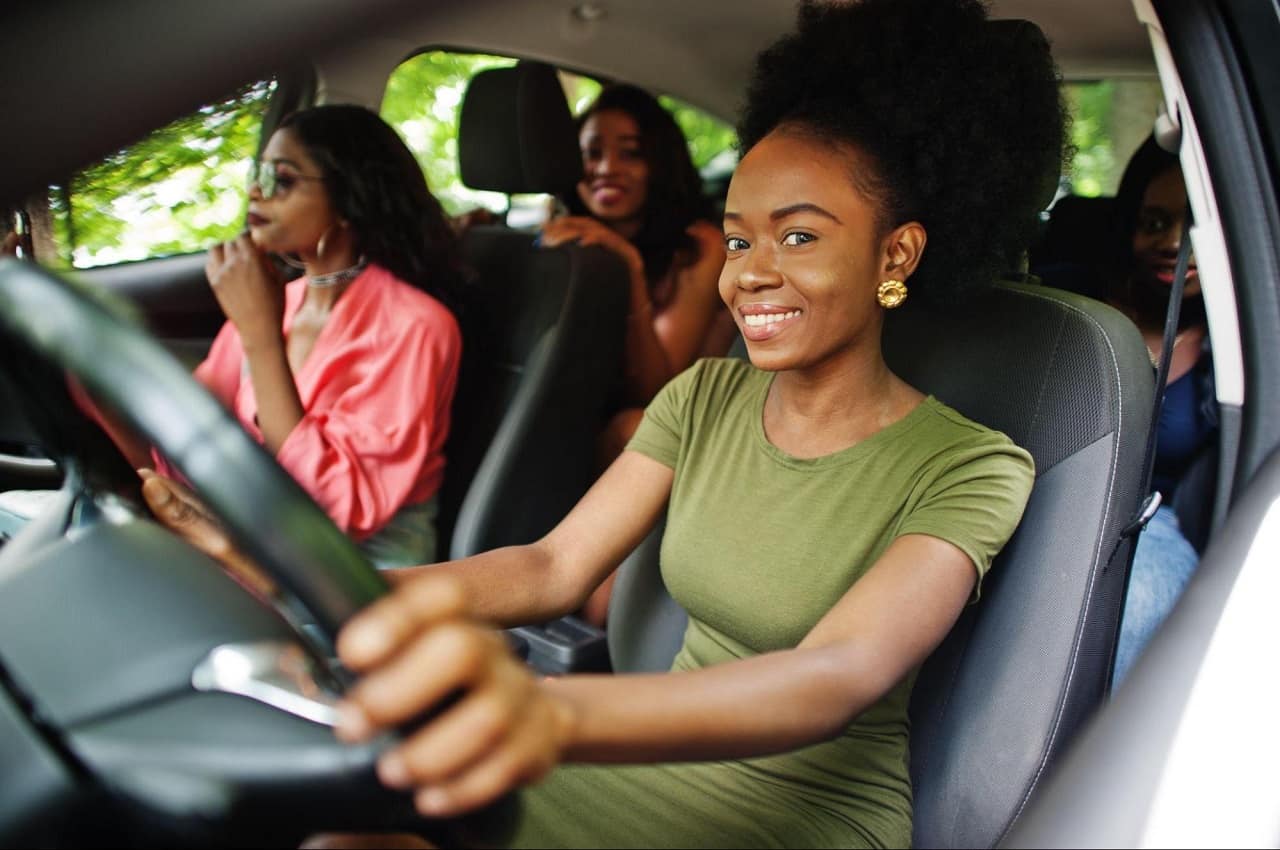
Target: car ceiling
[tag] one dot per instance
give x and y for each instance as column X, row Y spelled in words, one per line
column 84, row 79
column 698, row 50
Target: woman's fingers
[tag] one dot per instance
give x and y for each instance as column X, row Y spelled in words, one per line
column 419, row 651
column 460, row 736
column 371, row 636
column 568, row 229
column 437, row 662
column 528, row 753
column 181, row 512
column 557, row 232
column 174, row 506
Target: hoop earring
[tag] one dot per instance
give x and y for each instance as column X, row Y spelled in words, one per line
column 320, row 244
column 891, row 294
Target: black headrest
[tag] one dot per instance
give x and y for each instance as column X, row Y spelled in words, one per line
column 1079, row 231
column 516, row 134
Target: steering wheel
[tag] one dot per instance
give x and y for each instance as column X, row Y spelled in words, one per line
column 265, row 511
column 117, row 718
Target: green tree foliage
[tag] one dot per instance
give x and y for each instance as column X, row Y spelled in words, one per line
column 178, row 190
column 709, row 138
column 1094, row 162
column 422, row 101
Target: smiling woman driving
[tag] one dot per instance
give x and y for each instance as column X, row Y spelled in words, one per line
column 827, row 522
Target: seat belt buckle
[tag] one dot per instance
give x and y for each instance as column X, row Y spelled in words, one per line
column 1148, row 509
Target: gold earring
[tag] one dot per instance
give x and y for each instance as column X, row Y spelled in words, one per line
column 891, row 294
column 324, row 238
column 320, row 245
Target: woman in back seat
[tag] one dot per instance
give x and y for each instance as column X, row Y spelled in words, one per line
column 1150, row 221
column 641, row 197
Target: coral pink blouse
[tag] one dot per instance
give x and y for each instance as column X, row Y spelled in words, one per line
column 375, row 392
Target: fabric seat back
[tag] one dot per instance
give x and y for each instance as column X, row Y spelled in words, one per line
column 541, row 369
column 542, row 329
column 1068, row 379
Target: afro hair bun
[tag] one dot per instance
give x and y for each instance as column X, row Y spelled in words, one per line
column 961, row 118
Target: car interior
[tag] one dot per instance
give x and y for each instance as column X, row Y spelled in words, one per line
column 147, row 697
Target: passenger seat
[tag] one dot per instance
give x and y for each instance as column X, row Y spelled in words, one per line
column 542, row 329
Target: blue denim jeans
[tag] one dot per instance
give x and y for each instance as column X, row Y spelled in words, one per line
column 1162, row 566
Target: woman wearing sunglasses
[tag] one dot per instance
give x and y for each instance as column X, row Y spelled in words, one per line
column 345, row 374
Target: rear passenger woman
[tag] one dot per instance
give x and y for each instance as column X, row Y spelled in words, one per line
column 346, row 374
column 827, row 522
column 641, row 197
column 1150, row 220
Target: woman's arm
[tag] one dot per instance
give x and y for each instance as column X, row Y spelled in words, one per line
column 252, row 298
column 552, row 577
column 509, row 586
column 788, row 699
column 661, row 346
column 658, row 347
column 682, row 328
column 509, row 728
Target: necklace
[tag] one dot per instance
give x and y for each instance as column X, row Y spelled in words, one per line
column 324, row 281
column 1155, row 360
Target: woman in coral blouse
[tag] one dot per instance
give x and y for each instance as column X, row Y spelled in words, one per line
column 345, row 374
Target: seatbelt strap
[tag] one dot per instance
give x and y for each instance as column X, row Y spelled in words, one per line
column 1151, row 501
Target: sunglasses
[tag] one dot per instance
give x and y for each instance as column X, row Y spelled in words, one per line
column 270, row 182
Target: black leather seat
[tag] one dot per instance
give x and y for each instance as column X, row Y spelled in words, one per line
column 1072, row 252
column 542, row 329
column 1068, row 379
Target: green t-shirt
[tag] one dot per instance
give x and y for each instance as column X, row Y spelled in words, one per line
column 759, row 546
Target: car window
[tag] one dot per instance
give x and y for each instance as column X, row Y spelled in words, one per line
column 1109, row 120
column 429, row 126
column 177, row 191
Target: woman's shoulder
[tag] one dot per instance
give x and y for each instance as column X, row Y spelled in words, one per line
column 725, row 374
column 960, row 439
column 713, row 382
column 406, row 306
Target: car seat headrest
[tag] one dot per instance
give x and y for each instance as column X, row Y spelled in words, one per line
column 515, row 133
column 1079, row 231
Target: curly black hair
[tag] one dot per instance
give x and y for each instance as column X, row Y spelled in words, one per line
column 960, row 120
column 376, row 184
column 674, row 199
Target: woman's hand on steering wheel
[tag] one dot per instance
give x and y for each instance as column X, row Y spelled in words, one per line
column 181, row 512
column 417, row 650
column 497, row 727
